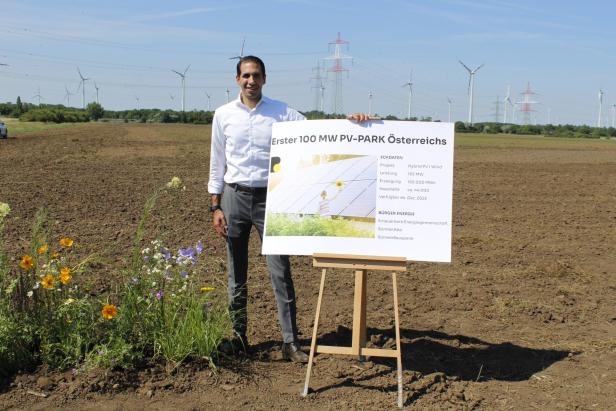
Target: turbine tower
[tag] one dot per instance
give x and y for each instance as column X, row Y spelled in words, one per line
column 338, row 69
column 370, row 103
column 507, row 102
column 209, row 101
column 409, row 84
column 227, row 95
column 96, row 87
column 600, row 107
column 471, row 86
column 67, row 96
column 449, row 110
column 183, row 76
column 82, row 84
column 613, row 114
column 137, row 100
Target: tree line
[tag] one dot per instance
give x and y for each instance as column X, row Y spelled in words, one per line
column 58, row 113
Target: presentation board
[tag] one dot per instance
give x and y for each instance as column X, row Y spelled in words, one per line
column 379, row 188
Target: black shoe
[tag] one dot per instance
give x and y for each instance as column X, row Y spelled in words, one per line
column 237, row 344
column 292, row 352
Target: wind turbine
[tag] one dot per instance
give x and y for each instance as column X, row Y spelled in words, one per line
column 370, row 103
column 600, row 107
column 67, row 96
column 507, row 100
column 471, row 86
column 82, row 84
column 613, row 114
column 96, row 87
column 449, row 110
column 322, row 97
column 209, row 101
column 172, row 97
column 137, row 99
column 409, row 84
column 183, row 76
column 241, row 51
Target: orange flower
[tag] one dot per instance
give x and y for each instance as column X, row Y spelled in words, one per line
column 48, row 282
column 66, row 242
column 65, row 275
column 42, row 249
column 27, row 262
column 55, row 255
column 109, row 311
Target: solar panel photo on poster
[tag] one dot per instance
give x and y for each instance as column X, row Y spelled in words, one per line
column 355, row 195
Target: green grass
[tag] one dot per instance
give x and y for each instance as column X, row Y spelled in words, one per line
column 17, row 127
column 314, row 225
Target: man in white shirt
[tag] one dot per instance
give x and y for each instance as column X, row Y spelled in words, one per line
column 239, row 168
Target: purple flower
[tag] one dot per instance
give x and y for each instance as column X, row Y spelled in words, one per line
column 159, row 295
column 146, row 258
column 187, row 252
column 199, row 247
column 184, row 274
column 165, row 253
column 185, row 255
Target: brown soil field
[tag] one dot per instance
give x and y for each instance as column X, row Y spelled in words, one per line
column 523, row 318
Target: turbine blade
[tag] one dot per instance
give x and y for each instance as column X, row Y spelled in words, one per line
column 465, row 66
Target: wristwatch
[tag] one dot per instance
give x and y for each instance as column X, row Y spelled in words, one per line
column 215, row 207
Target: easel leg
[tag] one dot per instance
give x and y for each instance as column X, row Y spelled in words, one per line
column 313, row 343
column 359, row 313
column 398, row 345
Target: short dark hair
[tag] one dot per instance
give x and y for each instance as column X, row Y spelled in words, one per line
column 253, row 59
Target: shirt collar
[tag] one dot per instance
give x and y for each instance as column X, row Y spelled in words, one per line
column 238, row 102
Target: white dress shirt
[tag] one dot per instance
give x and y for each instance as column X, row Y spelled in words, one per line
column 241, row 141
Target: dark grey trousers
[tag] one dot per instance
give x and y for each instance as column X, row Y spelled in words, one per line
column 243, row 210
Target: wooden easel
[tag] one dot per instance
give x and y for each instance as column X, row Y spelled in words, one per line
column 361, row 265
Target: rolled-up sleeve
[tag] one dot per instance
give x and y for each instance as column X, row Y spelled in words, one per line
column 217, row 158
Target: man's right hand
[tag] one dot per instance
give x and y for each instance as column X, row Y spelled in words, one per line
column 220, row 223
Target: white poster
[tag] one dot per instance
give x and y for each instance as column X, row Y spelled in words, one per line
column 379, row 188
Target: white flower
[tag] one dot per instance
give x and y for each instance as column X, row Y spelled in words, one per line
column 175, row 183
column 30, row 294
column 4, row 210
column 69, row 301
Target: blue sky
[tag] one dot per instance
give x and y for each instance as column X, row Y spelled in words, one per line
column 564, row 49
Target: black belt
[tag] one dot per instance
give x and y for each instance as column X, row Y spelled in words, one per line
column 246, row 189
